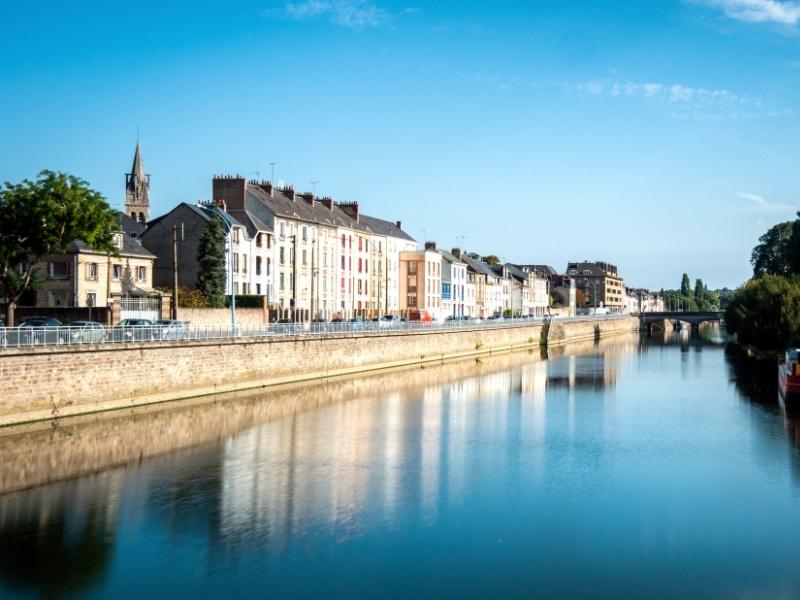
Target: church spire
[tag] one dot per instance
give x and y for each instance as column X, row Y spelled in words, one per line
column 137, row 189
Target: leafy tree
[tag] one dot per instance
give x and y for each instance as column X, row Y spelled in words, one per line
column 765, row 312
column 772, row 255
column 42, row 217
column 211, row 264
column 491, row 260
column 686, row 286
column 580, row 298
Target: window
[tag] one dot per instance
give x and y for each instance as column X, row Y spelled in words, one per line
column 343, row 244
column 283, row 229
column 141, row 273
column 258, row 265
column 116, row 272
column 282, row 282
column 235, row 263
column 360, row 265
column 258, row 289
column 259, row 241
column 58, row 270
column 91, row 271
column 305, row 256
column 282, row 255
column 235, row 235
column 244, row 263
column 305, row 232
column 343, row 263
column 269, row 241
column 360, row 244
column 412, row 268
column 269, row 267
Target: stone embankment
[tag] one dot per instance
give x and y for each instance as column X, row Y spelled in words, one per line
column 53, row 382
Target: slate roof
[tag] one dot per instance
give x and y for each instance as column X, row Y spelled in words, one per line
column 478, row 266
column 451, row 258
column 251, row 223
column 131, row 227
column 301, row 208
column 130, row 247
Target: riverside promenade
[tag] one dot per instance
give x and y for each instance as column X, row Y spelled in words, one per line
column 47, row 382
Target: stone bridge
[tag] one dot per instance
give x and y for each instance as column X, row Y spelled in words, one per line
column 667, row 320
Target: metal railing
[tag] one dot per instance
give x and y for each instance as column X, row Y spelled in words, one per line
column 24, row 337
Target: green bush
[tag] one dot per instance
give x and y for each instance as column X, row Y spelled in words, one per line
column 765, row 312
column 246, row 301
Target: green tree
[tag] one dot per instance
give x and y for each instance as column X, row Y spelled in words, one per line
column 127, row 279
column 773, row 253
column 686, row 286
column 211, row 264
column 42, row 217
column 491, row 260
column 765, row 312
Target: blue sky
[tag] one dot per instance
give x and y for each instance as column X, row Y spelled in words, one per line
column 662, row 136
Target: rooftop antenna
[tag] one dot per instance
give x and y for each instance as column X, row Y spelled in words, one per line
column 314, row 183
column 272, row 172
column 258, row 175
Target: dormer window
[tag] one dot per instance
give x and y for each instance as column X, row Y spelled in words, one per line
column 118, row 240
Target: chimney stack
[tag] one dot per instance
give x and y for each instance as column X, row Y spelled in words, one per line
column 399, row 224
column 430, row 246
column 230, row 190
column 327, row 202
column 266, row 186
column 350, row 208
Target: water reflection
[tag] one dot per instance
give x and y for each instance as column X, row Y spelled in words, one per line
column 510, row 467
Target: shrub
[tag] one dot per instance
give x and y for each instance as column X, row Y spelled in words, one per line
column 765, row 312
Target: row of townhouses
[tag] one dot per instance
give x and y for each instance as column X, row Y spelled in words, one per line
column 311, row 257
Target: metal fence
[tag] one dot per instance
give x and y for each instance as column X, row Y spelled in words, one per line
column 22, row 337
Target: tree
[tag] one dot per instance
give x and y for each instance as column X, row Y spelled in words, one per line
column 211, row 264
column 580, row 298
column 491, row 260
column 686, row 286
column 127, row 279
column 42, row 217
column 765, row 312
column 772, row 255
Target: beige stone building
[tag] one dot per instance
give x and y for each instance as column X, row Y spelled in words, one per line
column 600, row 282
column 85, row 277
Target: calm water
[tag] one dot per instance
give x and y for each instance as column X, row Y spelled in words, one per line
column 641, row 469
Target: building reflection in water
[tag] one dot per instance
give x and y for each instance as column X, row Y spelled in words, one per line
column 261, row 470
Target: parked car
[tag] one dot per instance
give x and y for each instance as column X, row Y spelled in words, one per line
column 170, row 329
column 85, row 332
column 283, row 326
column 357, row 324
column 132, row 330
column 420, row 315
column 37, row 330
column 387, row 321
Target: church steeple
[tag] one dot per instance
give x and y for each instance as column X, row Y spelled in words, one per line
column 137, row 190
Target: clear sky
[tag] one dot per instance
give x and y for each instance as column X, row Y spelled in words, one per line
column 662, row 136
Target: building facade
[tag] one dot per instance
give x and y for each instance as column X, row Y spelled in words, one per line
column 600, row 283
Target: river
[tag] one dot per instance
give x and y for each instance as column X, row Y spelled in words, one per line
column 633, row 467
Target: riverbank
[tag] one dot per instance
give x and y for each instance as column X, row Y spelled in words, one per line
column 51, row 382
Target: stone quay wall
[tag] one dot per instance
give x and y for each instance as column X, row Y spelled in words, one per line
column 51, row 382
